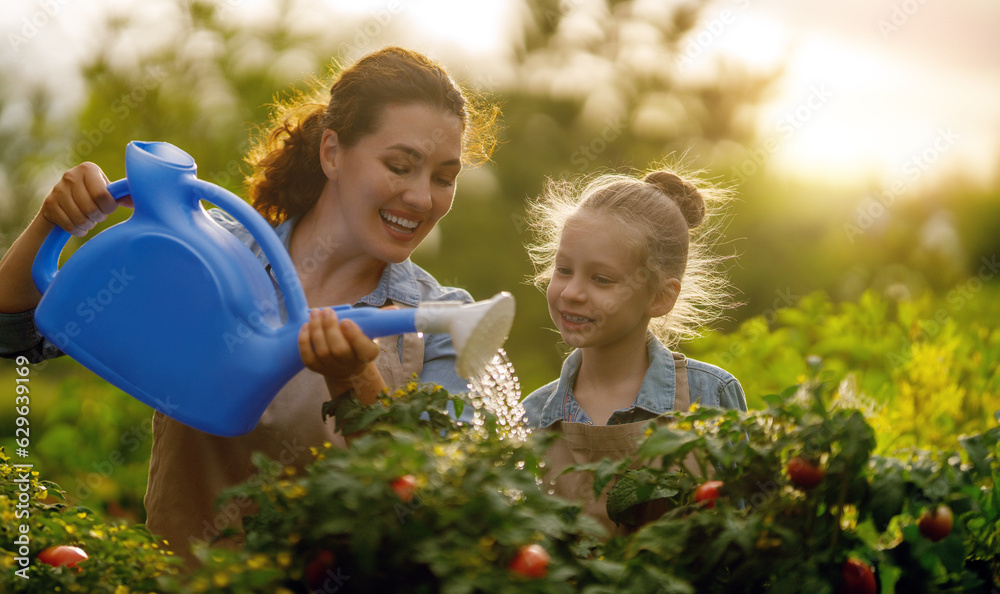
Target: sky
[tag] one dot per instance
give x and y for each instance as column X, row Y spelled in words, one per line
column 874, row 91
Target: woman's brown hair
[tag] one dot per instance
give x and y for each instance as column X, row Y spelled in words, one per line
column 287, row 177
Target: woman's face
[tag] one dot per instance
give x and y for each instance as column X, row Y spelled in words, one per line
column 396, row 183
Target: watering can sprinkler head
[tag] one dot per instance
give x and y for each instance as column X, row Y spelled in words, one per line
column 477, row 330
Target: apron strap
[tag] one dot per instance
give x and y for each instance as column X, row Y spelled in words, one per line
column 682, row 395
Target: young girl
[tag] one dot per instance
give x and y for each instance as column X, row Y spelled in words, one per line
column 625, row 280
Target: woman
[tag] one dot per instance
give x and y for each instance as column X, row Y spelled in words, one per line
column 352, row 186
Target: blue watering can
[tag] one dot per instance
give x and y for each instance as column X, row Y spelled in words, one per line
column 165, row 305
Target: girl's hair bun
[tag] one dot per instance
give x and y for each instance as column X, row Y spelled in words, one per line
column 687, row 197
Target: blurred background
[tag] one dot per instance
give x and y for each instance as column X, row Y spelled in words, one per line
column 862, row 138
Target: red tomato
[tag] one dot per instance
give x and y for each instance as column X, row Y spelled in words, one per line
column 405, row 487
column 708, row 492
column 62, row 555
column 803, row 473
column 856, row 577
column 936, row 524
column 317, row 569
column 531, row 561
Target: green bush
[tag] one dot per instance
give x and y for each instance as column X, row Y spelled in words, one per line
column 121, row 558
column 479, row 498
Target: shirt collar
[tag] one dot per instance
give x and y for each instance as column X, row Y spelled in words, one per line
column 397, row 285
column 656, row 394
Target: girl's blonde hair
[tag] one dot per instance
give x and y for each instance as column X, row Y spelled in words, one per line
column 670, row 221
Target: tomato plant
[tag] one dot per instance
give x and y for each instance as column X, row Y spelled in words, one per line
column 856, row 577
column 62, row 555
column 405, row 487
column 531, row 561
column 707, row 493
column 803, row 473
column 318, row 569
column 936, row 524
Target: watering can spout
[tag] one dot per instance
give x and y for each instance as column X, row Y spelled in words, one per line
column 477, row 330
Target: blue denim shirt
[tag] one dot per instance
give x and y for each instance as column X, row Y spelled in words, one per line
column 404, row 283
column 709, row 386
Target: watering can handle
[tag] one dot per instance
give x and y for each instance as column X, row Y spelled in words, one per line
column 46, row 264
column 277, row 255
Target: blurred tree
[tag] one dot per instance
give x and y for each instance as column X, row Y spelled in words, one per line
column 598, row 86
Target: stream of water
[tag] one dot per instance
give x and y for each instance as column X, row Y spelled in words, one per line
column 498, row 391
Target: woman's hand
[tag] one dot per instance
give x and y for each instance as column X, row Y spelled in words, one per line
column 77, row 203
column 80, row 200
column 341, row 352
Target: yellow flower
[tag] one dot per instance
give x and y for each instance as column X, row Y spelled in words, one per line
column 220, row 579
column 257, row 561
column 122, row 590
column 284, row 559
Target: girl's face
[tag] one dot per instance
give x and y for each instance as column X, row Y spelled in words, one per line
column 600, row 294
column 396, row 183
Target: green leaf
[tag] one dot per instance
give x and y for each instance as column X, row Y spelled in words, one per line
column 667, row 442
column 978, row 448
column 887, row 495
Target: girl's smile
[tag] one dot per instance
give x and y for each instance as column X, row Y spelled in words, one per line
column 599, row 294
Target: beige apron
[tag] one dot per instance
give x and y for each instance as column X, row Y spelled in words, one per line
column 189, row 469
column 581, row 443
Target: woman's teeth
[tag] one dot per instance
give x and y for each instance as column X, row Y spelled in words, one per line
column 405, row 224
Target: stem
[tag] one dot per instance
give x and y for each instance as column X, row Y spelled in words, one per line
column 840, row 513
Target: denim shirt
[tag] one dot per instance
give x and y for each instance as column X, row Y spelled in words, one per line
column 708, row 385
column 404, row 283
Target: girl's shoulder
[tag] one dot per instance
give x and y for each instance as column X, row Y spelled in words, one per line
column 715, row 386
column 708, row 371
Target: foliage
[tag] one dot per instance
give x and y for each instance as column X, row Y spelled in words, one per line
column 479, row 500
column 87, row 436
column 122, row 558
column 769, row 533
column 925, row 370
